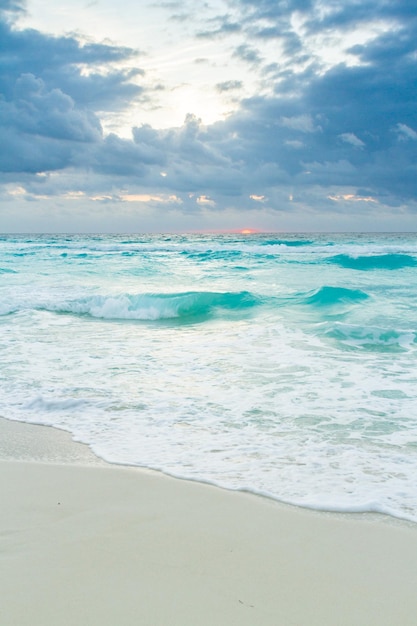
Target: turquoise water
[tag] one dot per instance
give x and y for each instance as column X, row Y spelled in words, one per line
column 280, row 364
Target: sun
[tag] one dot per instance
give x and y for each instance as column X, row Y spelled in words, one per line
column 247, row 231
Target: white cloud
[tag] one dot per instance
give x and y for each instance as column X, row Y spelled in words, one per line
column 294, row 143
column 350, row 197
column 205, row 201
column 16, row 191
column 405, row 132
column 352, row 139
column 303, row 123
column 145, row 197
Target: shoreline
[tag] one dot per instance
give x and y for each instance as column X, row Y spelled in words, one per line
column 87, row 542
column 43, row 443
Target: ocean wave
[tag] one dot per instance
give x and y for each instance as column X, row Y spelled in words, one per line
column 212, row 255
column 290, row 243
column 371, row 262
column 373, row 338
column 41, row 405
column 5, row 270
column 6, row 309
column 192, row 304
column 327, row 296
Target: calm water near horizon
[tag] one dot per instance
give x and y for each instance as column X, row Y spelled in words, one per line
column 281, row 364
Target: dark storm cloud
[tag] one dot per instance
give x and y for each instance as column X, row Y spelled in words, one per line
column 50, row 113
column 191, row 143
column 347, row 127
column 351, row 127
column 22, row 154
column 57, row 61
column 40, row 127
column 48, row 105
column 192, row 159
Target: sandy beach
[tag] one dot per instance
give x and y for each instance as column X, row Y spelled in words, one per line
column 87, row 543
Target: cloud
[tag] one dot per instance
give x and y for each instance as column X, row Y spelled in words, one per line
column 9, row 9
column 303, row 123
column 248, row 54
column 222, row 26
column 205, row 201
column 294, row 143
column 148, row 198
column 405, row 132
column 316, row 136
column 53, row 89
column 49, row 113
column 350, row 197
column 352, row 139
column 229, row 85
column 66, row 63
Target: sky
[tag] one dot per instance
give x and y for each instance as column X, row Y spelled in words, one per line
column 271, row 115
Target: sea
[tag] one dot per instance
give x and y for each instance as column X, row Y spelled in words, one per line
column 279, row 364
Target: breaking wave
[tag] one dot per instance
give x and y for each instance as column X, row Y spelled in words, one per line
column 373, row 338
column 4, row 270
column 327, row 296
column 188, row 305
column 381, row 261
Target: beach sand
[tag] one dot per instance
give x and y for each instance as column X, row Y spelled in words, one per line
column 84, row 543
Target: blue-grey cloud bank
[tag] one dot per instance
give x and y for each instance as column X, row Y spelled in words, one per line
column 324, row 138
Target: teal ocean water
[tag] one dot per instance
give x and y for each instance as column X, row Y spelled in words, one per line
column 280, row 364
